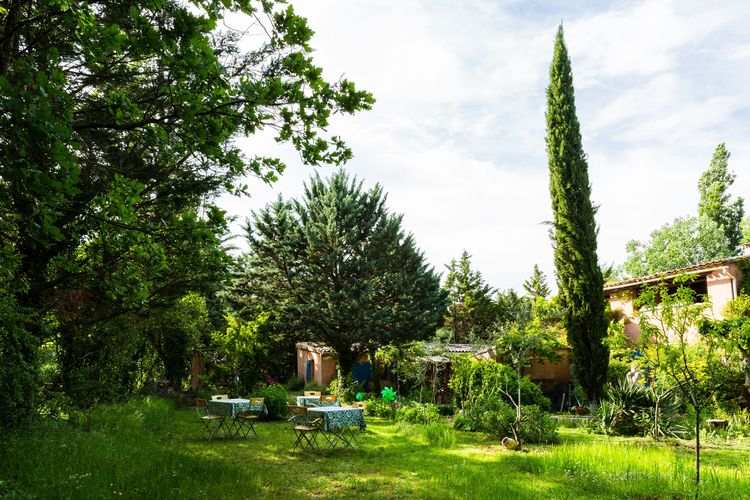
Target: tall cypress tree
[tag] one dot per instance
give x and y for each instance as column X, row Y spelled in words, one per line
column 573, row 232
column 714, row 200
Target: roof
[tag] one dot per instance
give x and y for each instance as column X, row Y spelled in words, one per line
column 314, row 347
column 460, row 348
column 696, row 269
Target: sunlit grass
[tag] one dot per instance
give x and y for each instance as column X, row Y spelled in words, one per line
column 147, row 449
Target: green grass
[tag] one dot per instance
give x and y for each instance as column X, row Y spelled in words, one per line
column 147, row 449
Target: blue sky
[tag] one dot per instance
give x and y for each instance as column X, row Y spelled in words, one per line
column 457, row 135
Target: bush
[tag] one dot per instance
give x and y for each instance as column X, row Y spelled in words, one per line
column 313, row 386
column 343, row 386
column 295, row 383
column 18, row 369
column 415, row 413
column 379, row 408
column 538, row 426
column 276, row 400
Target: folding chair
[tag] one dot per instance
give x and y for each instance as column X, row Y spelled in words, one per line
column 305, row 430
column 328, row 399
column 212, row 423
column 246, row 420
column 360, row 405
column 219, row 396
column 312, row 393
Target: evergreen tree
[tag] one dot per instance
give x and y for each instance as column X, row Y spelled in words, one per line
column 472, row 312
column 714, row 200
column 536, row 286
column 336, row 267
column 574, row 230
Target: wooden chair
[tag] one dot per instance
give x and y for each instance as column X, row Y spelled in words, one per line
column 312, row 393
column 360, row 405
column 212, row 423
column 305, row 429
column 216, row 397
column 328, row 399
column 246, row 420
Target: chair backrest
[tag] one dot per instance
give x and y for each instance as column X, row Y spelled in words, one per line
column 219, row 396
column 297, row 411
column 360, row 404
column 256, row 401
column 329, row 398
column 312, row 393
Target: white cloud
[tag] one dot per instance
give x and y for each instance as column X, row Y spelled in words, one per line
column 457, row 135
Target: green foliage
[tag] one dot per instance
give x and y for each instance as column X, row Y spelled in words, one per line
column 714, row 201
column 536, row 286
column 471, row 311
column 417, row 413
column 475, row 382
column 513, row 309
column 379, row 408
column 18, row 355
column 276, row 400
column 745, row 226
column 295, row 383
column 248, row 350
column 343, row 386
column 685, row 242
column 119, row 123
column 573, row 230
column 336, row 267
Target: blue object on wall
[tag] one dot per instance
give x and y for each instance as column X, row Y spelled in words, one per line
column 309, row 370
column 362, row 373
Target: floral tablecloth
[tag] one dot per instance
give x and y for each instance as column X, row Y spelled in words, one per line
column 231, row 407
column 335, row 418
column 314, row 401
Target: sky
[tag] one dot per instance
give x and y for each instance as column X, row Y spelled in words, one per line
column 457, row 135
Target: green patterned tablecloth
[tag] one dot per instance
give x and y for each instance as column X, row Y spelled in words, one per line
column 314, row 402
column 231, row 407
column 338, row 418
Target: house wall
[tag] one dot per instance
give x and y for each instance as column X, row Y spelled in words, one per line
column 721, row 286
column 324, row 366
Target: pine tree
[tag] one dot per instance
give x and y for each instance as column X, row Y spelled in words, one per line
column 472, row 312
column 336, row 267
column 574, row 230
column 714, row 200
column 536, row 286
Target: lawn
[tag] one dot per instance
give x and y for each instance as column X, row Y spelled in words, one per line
column 149, row 449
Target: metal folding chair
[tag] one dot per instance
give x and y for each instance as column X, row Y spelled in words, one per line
column 219, row 396
column 212, row 423
column 305, row 430
column 246, row 420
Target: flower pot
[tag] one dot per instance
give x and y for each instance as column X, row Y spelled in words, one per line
column 582, row 410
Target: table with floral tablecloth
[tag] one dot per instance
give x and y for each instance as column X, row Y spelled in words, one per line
column 230, row 408
column 342, row 423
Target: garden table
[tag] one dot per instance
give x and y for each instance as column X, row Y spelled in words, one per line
column 343, row 423
column 230, row 408
column 314, row 401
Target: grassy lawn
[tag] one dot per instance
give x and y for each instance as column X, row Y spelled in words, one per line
column 147, row 449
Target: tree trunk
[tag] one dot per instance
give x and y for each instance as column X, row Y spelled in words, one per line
column 517, row 424
column 697, row 445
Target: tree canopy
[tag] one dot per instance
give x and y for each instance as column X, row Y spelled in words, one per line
column 716, row 232
column 714, row 201
column 472, row 312
column 336, row 267
column 118, row 123
column 536, row 286
column 573, row 230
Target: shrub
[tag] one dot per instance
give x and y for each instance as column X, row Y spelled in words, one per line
column 276, row 400
column 415, row 413
column 379, row 408
column 295, row 383
column 538, row 426
column 343, row 386
column 18, row 369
